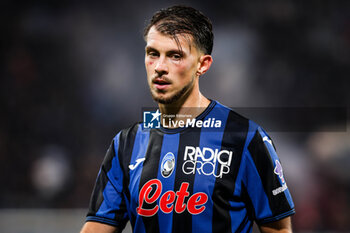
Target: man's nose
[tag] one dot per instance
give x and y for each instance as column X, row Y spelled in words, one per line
column 161, row 67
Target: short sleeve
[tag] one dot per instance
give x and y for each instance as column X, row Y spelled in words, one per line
column 263, row 179
column 107, row 203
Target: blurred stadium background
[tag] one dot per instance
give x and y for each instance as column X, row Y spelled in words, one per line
column 72, row 75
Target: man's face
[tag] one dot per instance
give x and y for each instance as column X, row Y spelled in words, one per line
column 171, row 71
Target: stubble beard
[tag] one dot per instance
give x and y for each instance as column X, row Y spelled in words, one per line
column 175, row 97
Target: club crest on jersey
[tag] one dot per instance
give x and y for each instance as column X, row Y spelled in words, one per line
column 206, row 161
column 167, row 165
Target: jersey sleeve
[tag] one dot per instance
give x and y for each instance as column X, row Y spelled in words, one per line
column 107, row 203
column 263, row 179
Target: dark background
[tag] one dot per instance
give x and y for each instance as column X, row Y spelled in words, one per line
column 72, row 75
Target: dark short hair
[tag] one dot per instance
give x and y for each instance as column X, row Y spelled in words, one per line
column 183, row 19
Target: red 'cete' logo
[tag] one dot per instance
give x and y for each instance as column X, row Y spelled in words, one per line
column 194, row 205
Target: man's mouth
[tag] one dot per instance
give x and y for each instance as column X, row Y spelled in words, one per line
column 161, row 83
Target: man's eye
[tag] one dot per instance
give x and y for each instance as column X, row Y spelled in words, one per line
column 176, row 56
column 152, row 54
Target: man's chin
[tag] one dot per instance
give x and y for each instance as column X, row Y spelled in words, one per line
column 163, row 99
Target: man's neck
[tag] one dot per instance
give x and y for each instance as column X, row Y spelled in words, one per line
column 186, row 109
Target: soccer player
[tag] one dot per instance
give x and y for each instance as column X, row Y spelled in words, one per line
column 216, row 172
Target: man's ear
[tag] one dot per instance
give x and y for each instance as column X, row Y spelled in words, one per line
column 204, row 64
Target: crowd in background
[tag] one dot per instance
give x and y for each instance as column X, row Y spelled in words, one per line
column 72, row 75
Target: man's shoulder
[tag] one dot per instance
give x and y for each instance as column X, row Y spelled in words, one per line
column 128, row 131
column 237, row 122
column 233, row 115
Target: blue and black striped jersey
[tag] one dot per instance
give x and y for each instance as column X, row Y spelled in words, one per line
column 190, row 179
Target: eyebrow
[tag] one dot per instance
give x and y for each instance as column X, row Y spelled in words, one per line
column 150, row 48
